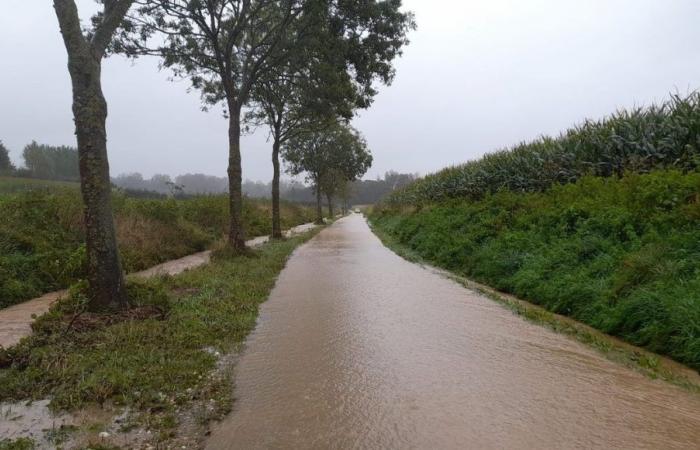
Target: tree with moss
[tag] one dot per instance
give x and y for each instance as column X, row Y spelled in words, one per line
column 85, row 50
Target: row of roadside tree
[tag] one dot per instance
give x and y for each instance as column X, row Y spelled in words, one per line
column 299, row 67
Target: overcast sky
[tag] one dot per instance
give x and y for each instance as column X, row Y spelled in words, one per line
column 478, row 75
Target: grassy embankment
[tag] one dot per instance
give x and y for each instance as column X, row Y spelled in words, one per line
column 601, row 225
column 161, row 358
column 42, row 238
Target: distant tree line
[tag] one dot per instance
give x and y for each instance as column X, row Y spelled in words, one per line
column 43, row 161
column 61, row 163
column 6, row 166
column 361, row 191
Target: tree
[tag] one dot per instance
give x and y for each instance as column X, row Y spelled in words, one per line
column 106, row 288
column 222, row 46
column 313, row 83
column 338, row 152
column 344, row 190
column 333, row 182
column 51, row 163
column 6, row 166
column 290, row 103
column 225, row 46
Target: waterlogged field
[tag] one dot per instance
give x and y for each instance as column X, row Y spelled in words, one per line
column 42, row 238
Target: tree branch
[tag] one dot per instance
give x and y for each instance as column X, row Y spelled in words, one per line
column 69, row 23
column 114, row 13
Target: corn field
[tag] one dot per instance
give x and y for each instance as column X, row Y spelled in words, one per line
column 638, row 140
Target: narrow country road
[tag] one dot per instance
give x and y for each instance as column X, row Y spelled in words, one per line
column 357, row 348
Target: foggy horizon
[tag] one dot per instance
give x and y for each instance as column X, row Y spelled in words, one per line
column 475, row 78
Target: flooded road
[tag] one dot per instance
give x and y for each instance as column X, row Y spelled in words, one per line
column 357, row 348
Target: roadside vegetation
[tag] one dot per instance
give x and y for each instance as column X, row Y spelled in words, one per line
column 616, row 248
column 159, row 356
column 42, row 234
column 640, row 140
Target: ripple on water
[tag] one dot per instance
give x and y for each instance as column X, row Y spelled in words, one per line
column 357, row 348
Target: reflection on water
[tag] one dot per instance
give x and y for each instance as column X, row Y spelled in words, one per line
column 357, row 348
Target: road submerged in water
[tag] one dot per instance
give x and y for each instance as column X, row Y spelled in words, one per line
column 358, row 348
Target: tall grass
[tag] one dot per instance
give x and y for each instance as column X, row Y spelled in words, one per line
column 42, row 234
column 12, row 185
column 638, row 140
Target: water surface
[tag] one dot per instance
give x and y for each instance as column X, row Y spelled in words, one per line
column 357, row 348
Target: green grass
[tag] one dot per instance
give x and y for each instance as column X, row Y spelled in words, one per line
column 13, row 185
column 42, row 237
column 621, row 255
column 149, row 364
column 17, row 444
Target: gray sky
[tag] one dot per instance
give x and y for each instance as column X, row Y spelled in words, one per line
column 478, row 75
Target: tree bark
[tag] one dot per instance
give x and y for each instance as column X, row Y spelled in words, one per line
column 319, row 208
column 330, row 206
column 236, row 235
column 276, row 222
column 106, row 288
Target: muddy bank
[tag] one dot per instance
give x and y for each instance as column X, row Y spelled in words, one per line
column 358, row 348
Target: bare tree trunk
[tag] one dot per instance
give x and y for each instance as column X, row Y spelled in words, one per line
column 236, row 235
column 330, row 206
column 319, row 209
column 106, row 289
column 276, row 222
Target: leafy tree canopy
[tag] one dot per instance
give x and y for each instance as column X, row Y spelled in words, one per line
column 225, row 46
column 339, row 149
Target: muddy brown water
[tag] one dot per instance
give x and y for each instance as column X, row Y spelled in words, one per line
column 358, row 348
